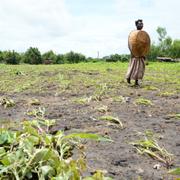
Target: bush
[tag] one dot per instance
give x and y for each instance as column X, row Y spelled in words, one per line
column 32, row 56
column 11, row 57
column 72, row 57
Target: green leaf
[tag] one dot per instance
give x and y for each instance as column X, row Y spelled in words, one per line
column 112, row 119
column 2, row 151
column 87, row 136
column 7, row 137
column 47, row 171
column 6, row 161
column 175, row 171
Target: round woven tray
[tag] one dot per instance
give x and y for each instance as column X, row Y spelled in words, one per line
column 139, row 43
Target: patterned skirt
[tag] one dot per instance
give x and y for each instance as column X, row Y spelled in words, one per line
column 136, row 68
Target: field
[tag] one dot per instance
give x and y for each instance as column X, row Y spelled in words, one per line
column 95, row 98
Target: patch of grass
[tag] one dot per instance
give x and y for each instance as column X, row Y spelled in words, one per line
column 83, row 100
column 100, row 92
column 149, row 145
column 150, row 88
column 166, row 94
column 112, row 119
column 120, row 99
column 143, row 101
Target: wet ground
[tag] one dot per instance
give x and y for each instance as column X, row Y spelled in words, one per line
column 78, row 111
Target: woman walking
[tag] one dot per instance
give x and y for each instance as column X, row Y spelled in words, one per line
column 137, row 63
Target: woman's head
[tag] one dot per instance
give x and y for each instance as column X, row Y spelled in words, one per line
column 139, row 24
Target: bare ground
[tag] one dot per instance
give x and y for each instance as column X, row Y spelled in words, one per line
column 119, row 158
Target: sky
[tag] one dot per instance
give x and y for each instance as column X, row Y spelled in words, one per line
column 84, row 26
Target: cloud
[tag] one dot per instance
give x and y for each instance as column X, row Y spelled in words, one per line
column 61, row 25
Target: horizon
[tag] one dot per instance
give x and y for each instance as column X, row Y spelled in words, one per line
column 82, row 26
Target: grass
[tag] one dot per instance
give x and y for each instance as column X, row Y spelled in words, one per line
column 143, row 101
column 101, row 86
column 20, row 78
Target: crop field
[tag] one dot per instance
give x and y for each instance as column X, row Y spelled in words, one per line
column 140, row 125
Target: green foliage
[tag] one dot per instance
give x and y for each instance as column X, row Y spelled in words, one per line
column 175, row 171
column 59, row 59
column 116, row 57
column 32, row 56
column 73, row 57
column 49, row 56
column 1, row 57
column 166, row 46
column 10, row 57
column 112, row 119
column 162, row 33
column 143, row 101
column 149, row 145
column 175, row 49
column 34, row 153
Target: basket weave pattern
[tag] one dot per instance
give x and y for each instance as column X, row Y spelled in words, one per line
column 139, row 43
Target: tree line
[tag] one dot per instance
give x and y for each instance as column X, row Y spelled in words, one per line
column 166, row 47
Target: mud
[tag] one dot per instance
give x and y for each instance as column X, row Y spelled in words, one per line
column 119, row 159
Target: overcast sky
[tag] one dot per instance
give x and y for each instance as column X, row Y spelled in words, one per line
column 84, row 26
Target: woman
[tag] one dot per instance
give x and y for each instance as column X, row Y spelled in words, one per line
column 137, row 64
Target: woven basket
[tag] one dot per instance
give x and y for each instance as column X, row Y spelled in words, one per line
column 139, row 43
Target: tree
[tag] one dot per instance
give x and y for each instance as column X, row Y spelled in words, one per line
column 165, row 42
column 32, row 56
column 11, row 57
column 175, row 49
column 1, row 57
column 50, row 55
column 162, row 33
column 60, row 59
column 72, row 57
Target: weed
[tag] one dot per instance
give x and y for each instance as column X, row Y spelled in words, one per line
column 166, row 94
column 120, row 99
column 84, row 100
column 149, row 145
column 150, row 88
column 112, row 119
column 143, row 101
column 39, row 112
column 100, row 92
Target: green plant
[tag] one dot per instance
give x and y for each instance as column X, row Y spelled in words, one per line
column 100, row 92
column 38, row 112
column 166, row 94
column 149, row 145
column 175, row 171
column 34, row 153
column 112, row 119
column 143, row 101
